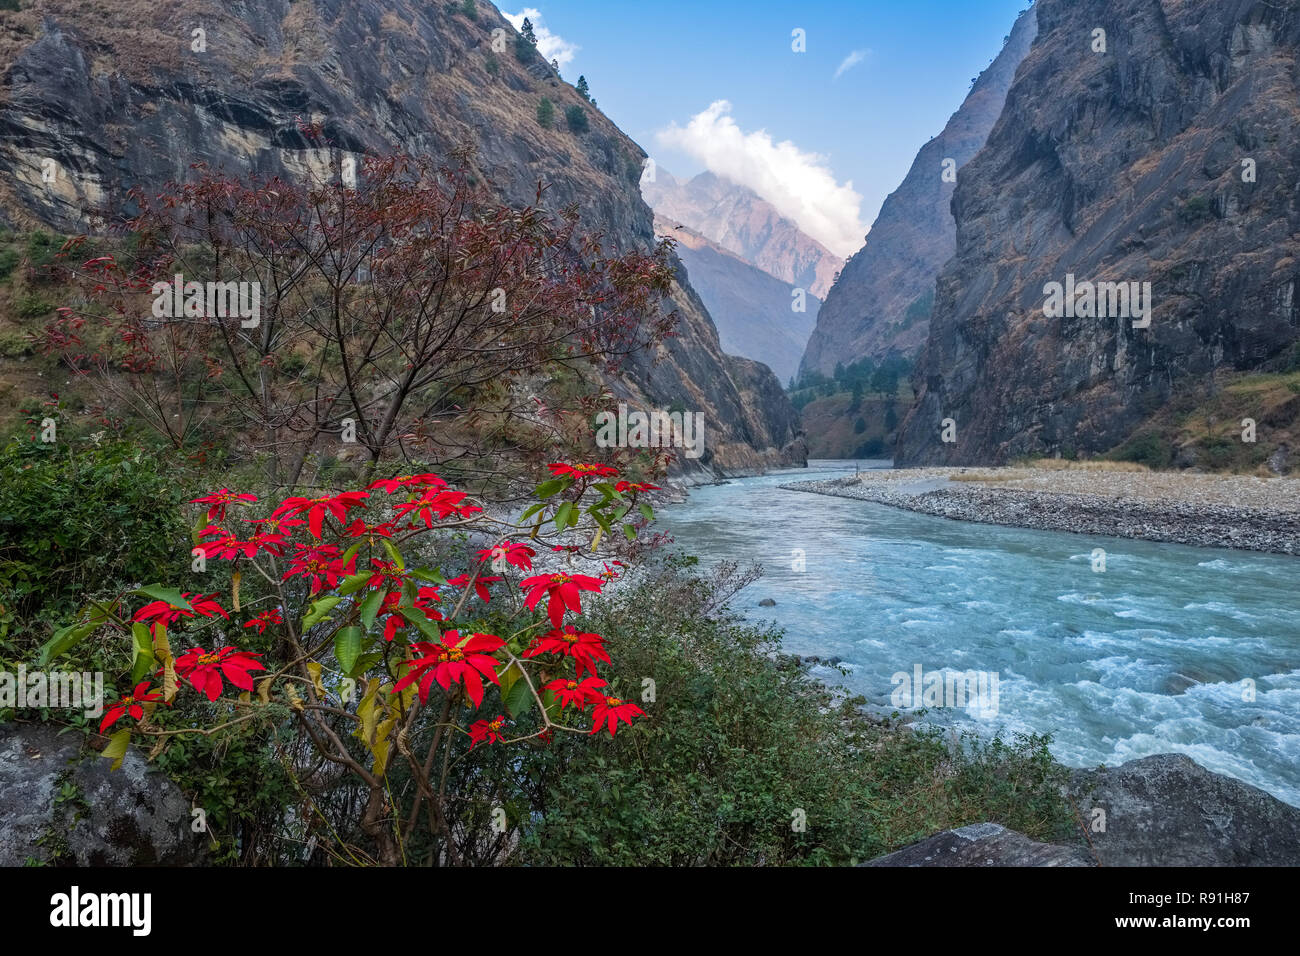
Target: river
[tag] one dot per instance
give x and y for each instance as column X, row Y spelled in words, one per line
column 1154, row 654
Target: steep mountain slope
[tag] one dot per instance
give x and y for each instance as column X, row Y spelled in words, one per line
column 752, row 310
column 882, row 300
column 1170, row 159
column 118, row 92
column 737, row 219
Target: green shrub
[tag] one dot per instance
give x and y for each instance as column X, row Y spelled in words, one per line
column 79, row 522
column 546, row 113
column 32, row 306
column 9, row 259
column 1149, row 449
column 576, row 118
column 14, row 344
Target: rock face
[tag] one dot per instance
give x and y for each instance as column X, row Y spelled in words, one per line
column 882, row 301
column 1167, row 810
column 122, row 92
column 983, row 844
column 56, row 807
column 753, row 311
column 1171, row 158
column 737, row 219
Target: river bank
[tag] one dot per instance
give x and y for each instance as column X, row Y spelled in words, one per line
column 1216, row 511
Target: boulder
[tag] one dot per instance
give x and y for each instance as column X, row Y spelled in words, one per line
column 61, row 804
column 1167, row 810
column 984, row 844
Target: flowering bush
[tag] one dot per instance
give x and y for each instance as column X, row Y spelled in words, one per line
column 357, row 637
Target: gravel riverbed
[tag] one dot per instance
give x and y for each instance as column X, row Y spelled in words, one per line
column 1217, row 511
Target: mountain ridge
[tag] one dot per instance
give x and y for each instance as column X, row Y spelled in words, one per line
column 880, row 303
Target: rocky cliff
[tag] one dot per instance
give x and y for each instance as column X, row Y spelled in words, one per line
column 98, row 96
column 882, row 301
column 1163, row 150
column 754, row 311
column 739, row 220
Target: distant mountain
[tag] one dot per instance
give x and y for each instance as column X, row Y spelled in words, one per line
column 751, row 309
column 739, row 220
column 881, row 303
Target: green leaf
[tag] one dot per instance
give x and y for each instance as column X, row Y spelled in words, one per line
column 423, row 574
column 116, row 749
column 422, row 623
column 550, row 488
column 142, row 660
column 647, row 512
column 170, row 595
column 354, row 583
column 629, row 532
column 351, row 552
column 320, row 610
column 370, row 607
column 562, row 515
column 531, row 511
column 393, row 553
column 64, row 639
column 518, row 700
column 347, row 647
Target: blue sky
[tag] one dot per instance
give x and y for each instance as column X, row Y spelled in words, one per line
column 654, row 67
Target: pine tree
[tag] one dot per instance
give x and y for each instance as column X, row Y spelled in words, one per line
column 576, row 117
column 583, row 90
column 555, row 65
column 528, row 32
column 545, row 113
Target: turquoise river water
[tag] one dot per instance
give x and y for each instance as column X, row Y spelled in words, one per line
column 1154, row 654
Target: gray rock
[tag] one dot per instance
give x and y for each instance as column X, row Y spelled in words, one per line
column 59, row 803
column 1167, row 810
column 984, row 844
column 767, row 602
column 1123, row 166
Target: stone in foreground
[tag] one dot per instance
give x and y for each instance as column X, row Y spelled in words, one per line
column 60, row 804
column 983, row 844
column 1167, row 810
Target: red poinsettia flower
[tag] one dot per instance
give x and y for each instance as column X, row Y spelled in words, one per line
column 584, row 470
column 480, row 585
column 562, row 590
column 425, row 482
column 160, row 612
column 584, row 647
column 455, row 660
column 489, row 730
column 577, row 693
column 317, row 508
column 393, row 620
column 624, row 486
column 218, row 500
column 204, row 670
column 442, row 504
column 387, row 574
column 359, row 529
column 520, row 555
column 612, row 710
column 609, row 574
column 262, row 620
column 322, row 564
column 129, row 704
column 226, row 546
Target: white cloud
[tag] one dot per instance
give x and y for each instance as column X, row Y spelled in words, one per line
column 850, row 61
column 800, row 185
column 550, row 45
